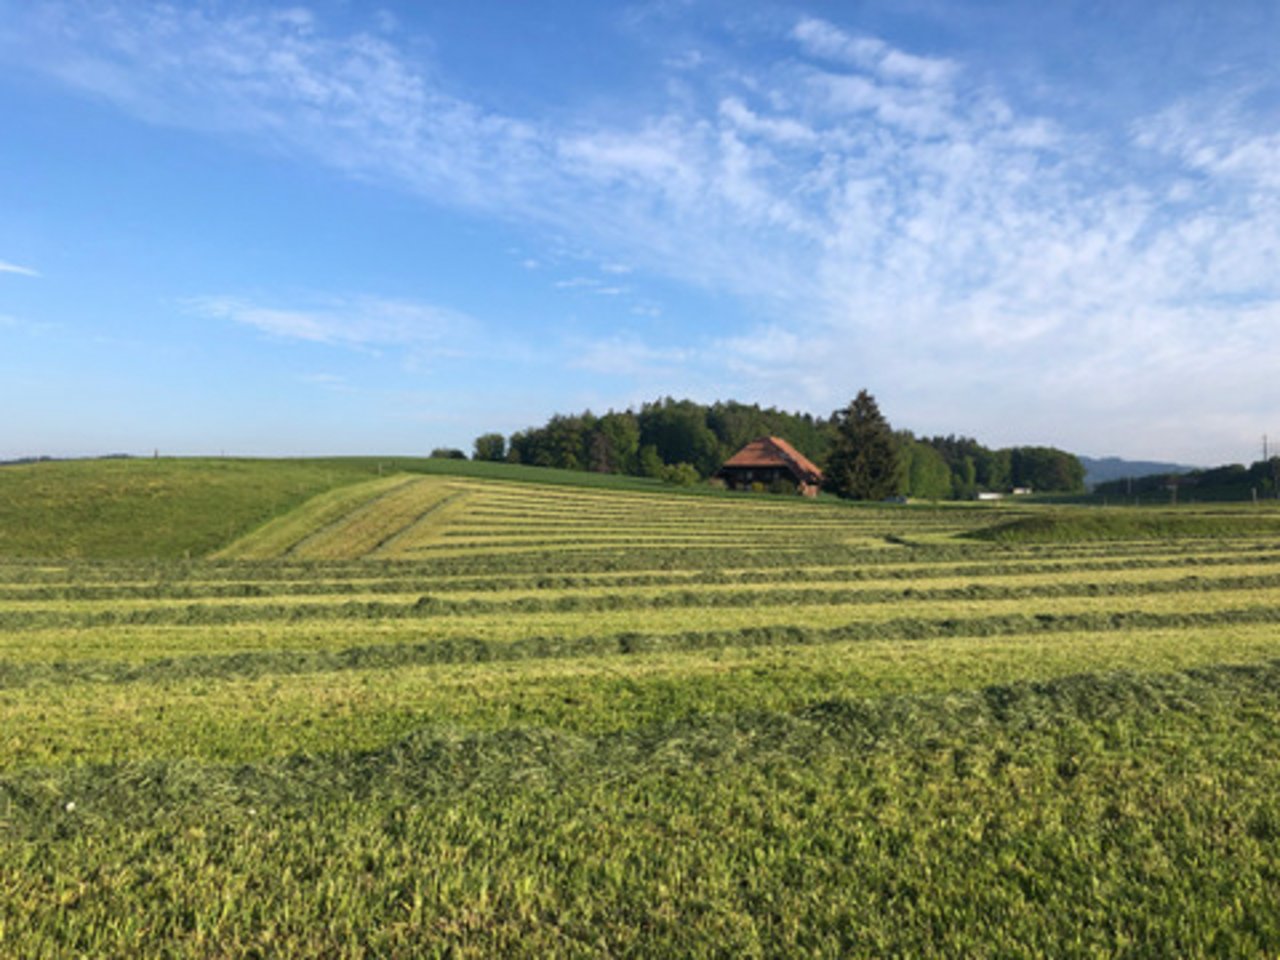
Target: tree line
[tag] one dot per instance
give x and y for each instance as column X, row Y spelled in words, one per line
column 1233, row 481
column 683, row 441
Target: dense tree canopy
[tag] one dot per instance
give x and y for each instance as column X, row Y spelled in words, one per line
column 975, row 467
column 1046, row 469
column 491, row 446
column 928, row 475
column 865, row 461
column 666, row 433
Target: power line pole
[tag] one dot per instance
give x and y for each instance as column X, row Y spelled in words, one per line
column 1275, row 469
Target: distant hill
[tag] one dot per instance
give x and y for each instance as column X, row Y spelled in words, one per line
column 1100, row 470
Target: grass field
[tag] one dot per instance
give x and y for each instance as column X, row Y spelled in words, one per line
column 340, row 709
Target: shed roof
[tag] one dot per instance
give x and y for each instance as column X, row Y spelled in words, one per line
column 775, row 452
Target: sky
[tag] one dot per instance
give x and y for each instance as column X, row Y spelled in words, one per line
column 351, row 228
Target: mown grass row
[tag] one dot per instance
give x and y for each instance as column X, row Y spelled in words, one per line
column 218, row 582
column 155, row 664
column 1132, row 524
column 425, row 516
column 1088, row 815
column 282, row 536
column 862, row 604
column 489, row 565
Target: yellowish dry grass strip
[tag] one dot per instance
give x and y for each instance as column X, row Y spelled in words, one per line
column 279, row 535
column 243, row 720
column 363, row 531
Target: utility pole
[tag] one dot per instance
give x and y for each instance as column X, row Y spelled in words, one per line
column 1275, row 467
column 1275, row 474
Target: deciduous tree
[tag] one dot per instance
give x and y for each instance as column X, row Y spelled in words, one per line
column 490, row 446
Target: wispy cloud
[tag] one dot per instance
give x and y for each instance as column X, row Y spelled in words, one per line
column 890, row 219
column 6, row 267
column 822, row 39
column 26, row 327
column 577, row 283
column 354, row 101
column 332, row 382
column 629, row 356
column 592, row 285
column 361, row 323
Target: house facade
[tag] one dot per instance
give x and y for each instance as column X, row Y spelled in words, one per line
column 767, row 461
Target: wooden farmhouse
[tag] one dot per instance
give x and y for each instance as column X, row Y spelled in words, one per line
column 767, row 461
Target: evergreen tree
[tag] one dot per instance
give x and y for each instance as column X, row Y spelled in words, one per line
column 864, row 462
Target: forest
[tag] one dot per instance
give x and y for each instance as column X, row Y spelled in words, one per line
column 684, row 441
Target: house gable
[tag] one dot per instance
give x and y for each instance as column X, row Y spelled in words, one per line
column 769, row 459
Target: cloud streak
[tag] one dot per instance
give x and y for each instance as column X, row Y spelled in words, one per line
column 367, row 323
column 6, row 267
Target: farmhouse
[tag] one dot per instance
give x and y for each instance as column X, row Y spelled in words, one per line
column 770, row 460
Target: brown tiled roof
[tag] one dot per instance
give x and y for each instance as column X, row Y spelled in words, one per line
column 774, row 452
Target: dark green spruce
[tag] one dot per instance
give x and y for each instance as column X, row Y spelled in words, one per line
column 865, row 462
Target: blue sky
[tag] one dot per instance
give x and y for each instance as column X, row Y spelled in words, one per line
column 347, row 228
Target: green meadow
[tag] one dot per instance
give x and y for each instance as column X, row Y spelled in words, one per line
column 405, row 708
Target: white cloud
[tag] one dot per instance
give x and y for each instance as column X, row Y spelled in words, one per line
column 628, row 356
column 577, row 283
column 1215, row 139
column 823, row 39
column 657, row 156
column 354, row 101
column 783, row 130
column 332, row 382
column 592, row 285
column 6, row 267
column 364, row 323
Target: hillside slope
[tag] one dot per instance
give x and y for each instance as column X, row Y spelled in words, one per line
column 171, row 509
column 162, row 509
column 423, row 517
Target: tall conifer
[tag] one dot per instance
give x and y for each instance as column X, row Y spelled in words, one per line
column 864, row 462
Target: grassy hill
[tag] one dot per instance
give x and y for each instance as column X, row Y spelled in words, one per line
column 179, row 508
column 449, row 711
column 166, row 508
column 117, row 509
